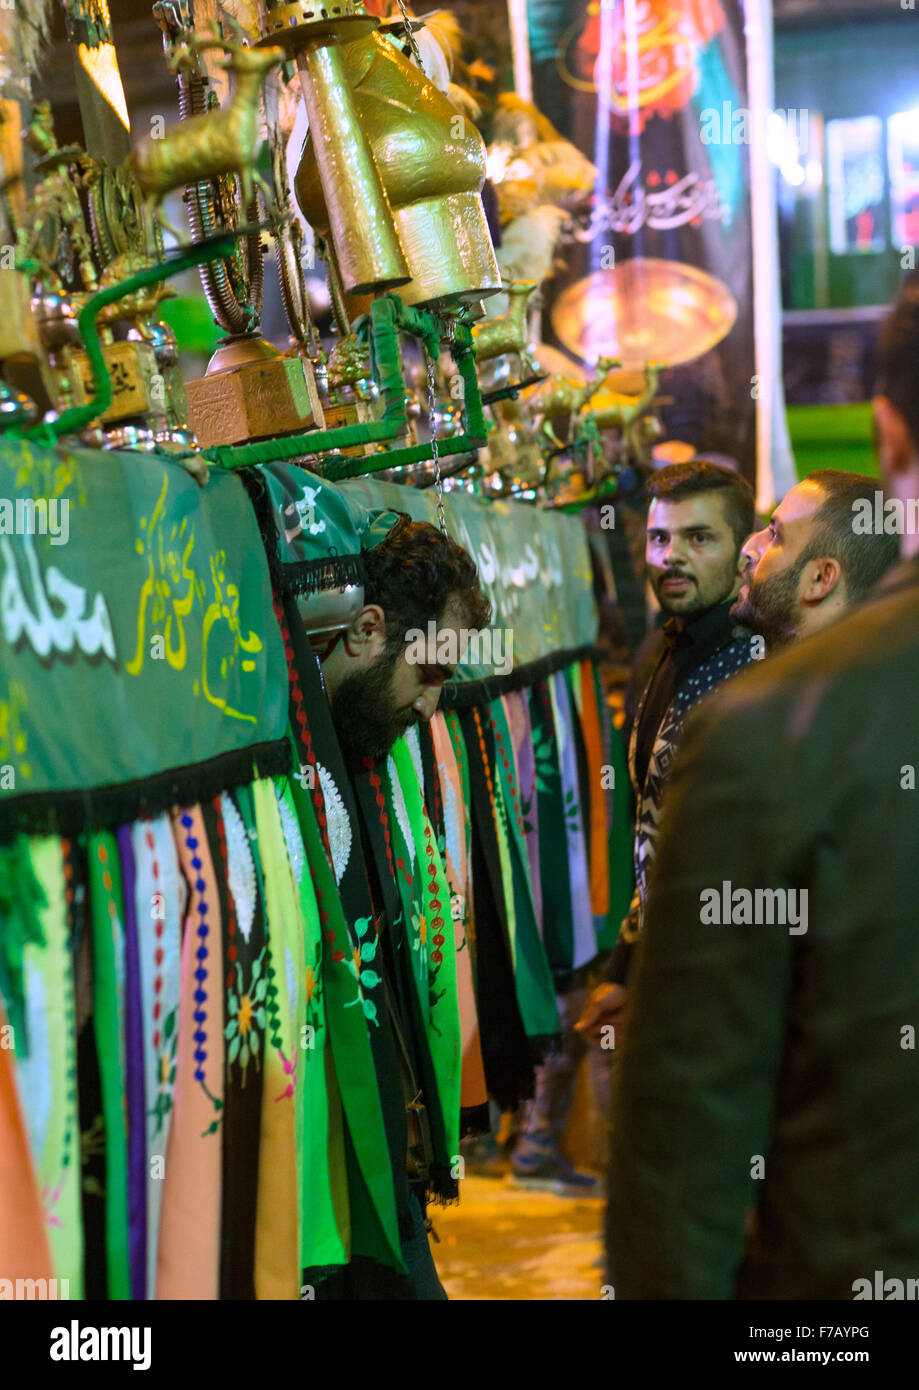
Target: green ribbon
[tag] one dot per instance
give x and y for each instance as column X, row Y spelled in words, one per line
column 108, row 1020
column 430, row 936
column 21, row 900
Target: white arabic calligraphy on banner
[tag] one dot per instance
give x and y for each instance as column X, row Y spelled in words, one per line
column 632, row 206
column 44, row 629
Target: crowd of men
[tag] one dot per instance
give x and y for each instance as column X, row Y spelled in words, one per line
column 764, row 991
column 765, row 1127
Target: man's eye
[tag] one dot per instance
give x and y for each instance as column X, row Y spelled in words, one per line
column 701, row 537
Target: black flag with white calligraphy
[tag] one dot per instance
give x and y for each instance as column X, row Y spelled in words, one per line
column 654, row 92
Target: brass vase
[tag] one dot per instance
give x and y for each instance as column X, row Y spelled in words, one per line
column 431, row 164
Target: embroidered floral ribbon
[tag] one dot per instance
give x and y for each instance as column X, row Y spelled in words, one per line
column 234, row 852
column 47, row 1076
column 473, row 1091
column 108, row 1019
column 532, row 977
column 584, row 942
column 428, row 926
column 189, row 1247
column 158, row 905
column 518, row 717
column 369, row 1187
column 277, row 1249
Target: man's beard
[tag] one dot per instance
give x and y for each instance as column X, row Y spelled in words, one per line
column 694, row 601
column 366, row 721
column 770, row 608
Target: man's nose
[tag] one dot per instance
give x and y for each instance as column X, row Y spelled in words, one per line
column 674, row 551
column 427, row 702
column 753, row 548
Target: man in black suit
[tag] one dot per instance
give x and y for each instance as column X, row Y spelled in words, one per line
column 699, row 517
column 766, row 1120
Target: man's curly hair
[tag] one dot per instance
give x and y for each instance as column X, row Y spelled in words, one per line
column 413, row 573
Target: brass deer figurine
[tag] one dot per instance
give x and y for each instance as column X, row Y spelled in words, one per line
column 623, row 412
column 509, row 332
column 215, row 142
column 561, row 395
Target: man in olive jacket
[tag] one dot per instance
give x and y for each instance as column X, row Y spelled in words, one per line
column 766, row 1121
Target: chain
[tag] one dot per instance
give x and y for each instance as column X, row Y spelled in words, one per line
column 410, row 34
column 432, row 420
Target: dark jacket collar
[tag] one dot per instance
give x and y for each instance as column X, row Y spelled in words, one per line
column 713, row 627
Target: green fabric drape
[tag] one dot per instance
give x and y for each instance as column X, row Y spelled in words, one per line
column 621, row 847
column 320, row 1146
column 365, row 1147
column 47, row 1074
column 108, row 1017
column 429, row 931
column 532, row 976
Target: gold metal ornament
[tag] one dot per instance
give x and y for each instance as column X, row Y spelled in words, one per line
column 509, row 332
column 214, row 143
column 625, row 409
column 359, row 221
column 563, row 395
column 431, row 164
column 136, row 381
column 645, row 310
column 253, row 391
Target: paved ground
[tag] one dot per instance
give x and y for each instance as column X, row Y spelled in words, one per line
column 500, row 1243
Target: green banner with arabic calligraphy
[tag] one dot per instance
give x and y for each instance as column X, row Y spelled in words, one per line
column 533, row 564
column 136, row 628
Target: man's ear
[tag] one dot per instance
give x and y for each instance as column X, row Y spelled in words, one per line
column 365, row 636
column 895, row 447
column 821, row 578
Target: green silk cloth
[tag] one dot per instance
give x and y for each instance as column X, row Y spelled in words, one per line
column 136, row 635
column 312, row 530
column 21, row 901
column 322, row 1224
column 360, row 1170
column 621, row 835
column 532, row 976
column 107, row 911
column 428, row 926
column 533, row 564
column 558, row 925
column 47, row 1075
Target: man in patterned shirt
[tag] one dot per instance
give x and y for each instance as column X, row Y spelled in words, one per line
column 699, row 517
